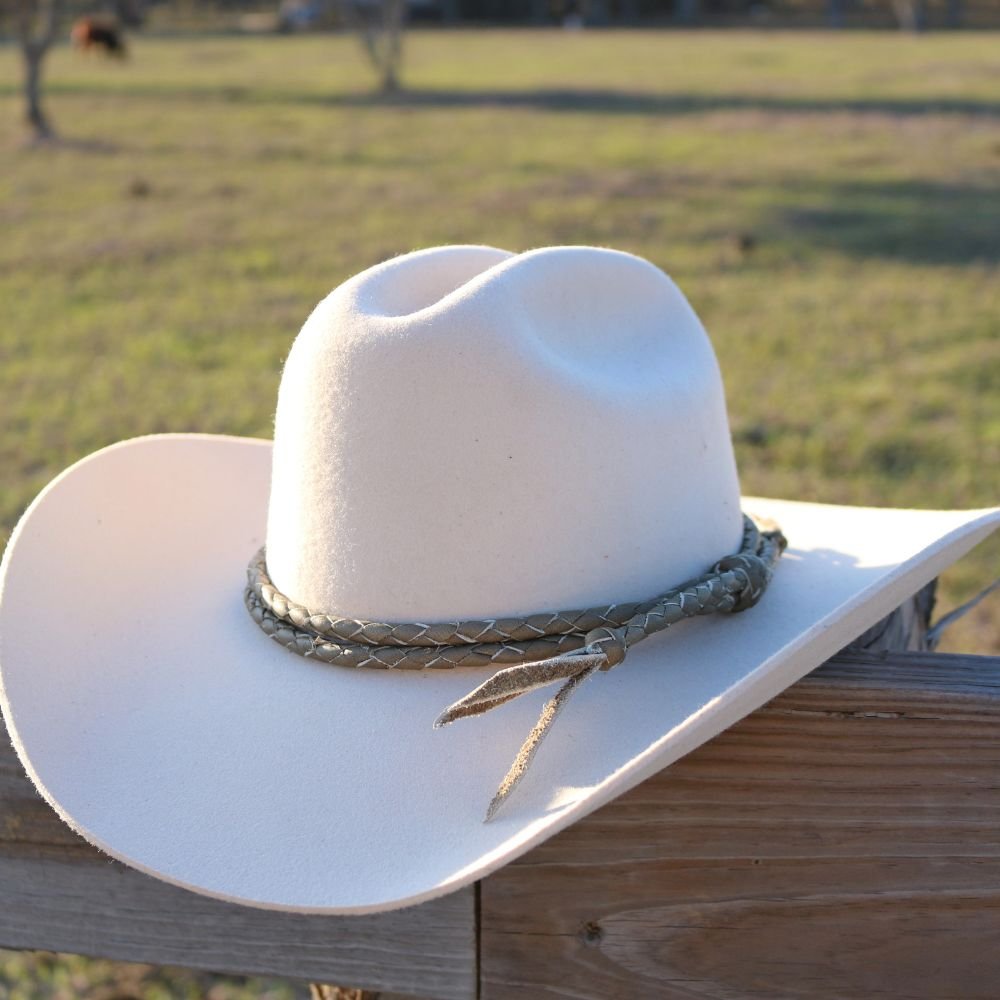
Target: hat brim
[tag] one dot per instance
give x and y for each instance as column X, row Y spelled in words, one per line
column 165, row 728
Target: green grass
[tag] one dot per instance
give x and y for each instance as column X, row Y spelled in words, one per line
column 858, row 334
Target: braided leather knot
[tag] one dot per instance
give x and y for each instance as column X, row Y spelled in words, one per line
column 534, row 651
column 609, row 643
column 753, row 574
column 753, row 566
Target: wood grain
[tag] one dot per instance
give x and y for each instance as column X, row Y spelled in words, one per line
column 61, row 894
column 842, row 842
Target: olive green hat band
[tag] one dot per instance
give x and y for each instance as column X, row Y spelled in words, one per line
column 534, row 651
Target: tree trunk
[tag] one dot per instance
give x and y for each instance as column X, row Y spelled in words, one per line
column 390, row 79
column 37, row 24
column 393, row 13
column 34, row 116
column 381, row 33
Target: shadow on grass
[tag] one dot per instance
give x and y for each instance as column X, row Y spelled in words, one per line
column 586, row 100
column 624, row 102
column 96, row 147
column 921, row 222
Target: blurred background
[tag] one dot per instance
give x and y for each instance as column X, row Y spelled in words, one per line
column 182, row 181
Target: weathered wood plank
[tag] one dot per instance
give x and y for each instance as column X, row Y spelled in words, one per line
column 98, row 907
column 839, row 843
column 60, row 894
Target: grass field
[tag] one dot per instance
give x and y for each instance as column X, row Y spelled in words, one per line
column 830, row 205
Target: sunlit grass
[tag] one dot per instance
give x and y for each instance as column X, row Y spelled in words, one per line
column 830, row 205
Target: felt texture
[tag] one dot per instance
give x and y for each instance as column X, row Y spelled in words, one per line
column 467, row 433
column 160, row 722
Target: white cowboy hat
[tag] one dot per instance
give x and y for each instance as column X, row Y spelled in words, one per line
column 461, row 433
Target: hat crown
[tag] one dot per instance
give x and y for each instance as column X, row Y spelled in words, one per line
column 467, row 433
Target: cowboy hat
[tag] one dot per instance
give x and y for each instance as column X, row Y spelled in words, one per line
column 462, row 435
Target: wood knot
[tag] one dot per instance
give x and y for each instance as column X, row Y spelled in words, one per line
column 591, row 933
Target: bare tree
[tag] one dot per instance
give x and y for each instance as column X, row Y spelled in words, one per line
column 36, row 23
column 380, row 26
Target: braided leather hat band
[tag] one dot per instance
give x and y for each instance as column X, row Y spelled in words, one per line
column 533, row 651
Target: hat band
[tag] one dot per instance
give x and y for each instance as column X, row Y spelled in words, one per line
column 534, row 651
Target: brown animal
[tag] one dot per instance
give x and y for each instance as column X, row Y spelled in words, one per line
column 92, row 34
